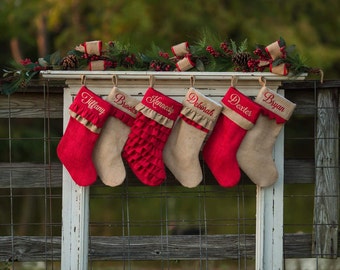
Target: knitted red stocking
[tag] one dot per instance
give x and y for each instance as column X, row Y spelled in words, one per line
column 88, row 113
column 149, row 133
column 239, row 114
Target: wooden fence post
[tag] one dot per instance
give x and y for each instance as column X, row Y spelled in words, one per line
column 326, row 199
column 75, row 212
column 269, row 215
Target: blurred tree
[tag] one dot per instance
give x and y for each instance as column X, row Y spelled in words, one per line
column 24, row 22
column 34, row 28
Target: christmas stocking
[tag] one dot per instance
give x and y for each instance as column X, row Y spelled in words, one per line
column 239, row 114
column 107, row 152
column 255, row 154
column 88, row 113
column 181, row 151
column 149, row 133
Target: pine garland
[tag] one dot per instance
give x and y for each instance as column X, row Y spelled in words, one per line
column 207, row 54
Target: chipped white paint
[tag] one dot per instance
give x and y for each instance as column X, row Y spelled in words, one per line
column 269, row 216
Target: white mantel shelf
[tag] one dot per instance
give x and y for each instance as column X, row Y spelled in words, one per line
column 76, row 74
column 205, row 80
column 211, row 84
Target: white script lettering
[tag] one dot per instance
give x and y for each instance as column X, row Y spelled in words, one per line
column 155, row 101
column 235, row 100
column 91, row 102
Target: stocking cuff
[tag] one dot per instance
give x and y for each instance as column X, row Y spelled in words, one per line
column 123, row 106
column 159, row 107
column 199, row 110
column 240, row 109
column 274, row 105
column 90, row 109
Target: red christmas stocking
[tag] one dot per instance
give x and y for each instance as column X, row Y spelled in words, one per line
column 143, row 149
column 239, row 114
column 88, row 113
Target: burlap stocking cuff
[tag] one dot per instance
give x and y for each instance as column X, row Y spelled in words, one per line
column 123, row 106
column 274, row 105
column 200, row 111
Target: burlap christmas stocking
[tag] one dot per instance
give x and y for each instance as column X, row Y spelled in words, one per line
column 239, row 114
column 156, row 116
column 88, row 113
column 181, row 151
column 107, row 152
column 255, row 154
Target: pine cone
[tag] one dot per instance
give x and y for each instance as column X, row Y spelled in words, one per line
column 240, row 60
column 69, row 62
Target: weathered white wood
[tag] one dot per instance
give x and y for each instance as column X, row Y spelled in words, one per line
column 171, row 75
column 326, row 215
column 33, row 175
column 269, row 215
column 75, row 214
column 212, row 84
column 147, row 247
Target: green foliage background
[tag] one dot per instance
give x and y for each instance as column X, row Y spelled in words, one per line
column 312, row 25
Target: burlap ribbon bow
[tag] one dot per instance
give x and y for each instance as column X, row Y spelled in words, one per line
column 275, row 51
column 183, row 56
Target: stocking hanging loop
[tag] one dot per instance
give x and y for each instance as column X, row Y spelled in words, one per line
column 151, row 81
column 83, row 80
column 233, row 81
column 262, row 81
column 115, row 80
column 192, row 81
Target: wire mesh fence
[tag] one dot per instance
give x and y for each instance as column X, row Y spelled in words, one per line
column 143, row 227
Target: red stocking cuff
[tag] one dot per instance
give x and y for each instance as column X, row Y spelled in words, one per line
column 89, row 107
column 272, row 115
column 161, row 104
column 241, row 104
column 193, row 123
column 122, row 116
